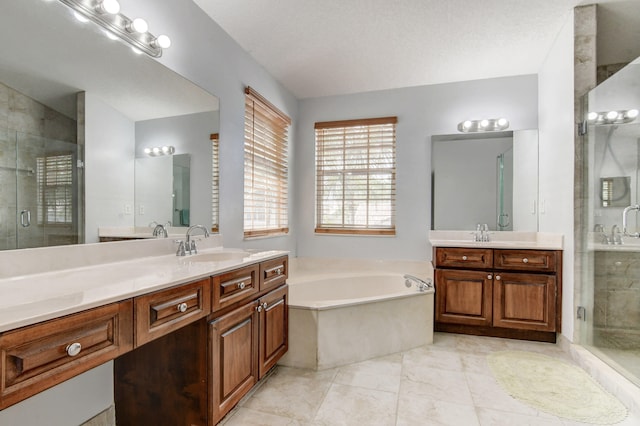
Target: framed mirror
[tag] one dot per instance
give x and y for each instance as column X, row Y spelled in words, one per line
column 483, row 178
column 49, row 62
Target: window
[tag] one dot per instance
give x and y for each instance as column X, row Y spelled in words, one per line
column 265, row 167
column 215, row 183
column 55, row 189
column 356, row 176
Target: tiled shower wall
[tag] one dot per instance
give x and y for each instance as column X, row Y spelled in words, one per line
column 616, row 317
column 34, row 121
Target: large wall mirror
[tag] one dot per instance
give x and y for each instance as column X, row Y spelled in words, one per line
column 486, row 178
column 47, row 57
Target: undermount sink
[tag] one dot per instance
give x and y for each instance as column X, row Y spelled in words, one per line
column 218, row 257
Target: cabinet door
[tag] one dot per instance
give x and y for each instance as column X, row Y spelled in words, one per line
column 234, row 357
column 524, row 301
column 274, row 328
column 463, row 297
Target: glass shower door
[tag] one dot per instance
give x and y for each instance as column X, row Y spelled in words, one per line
column 611, row 262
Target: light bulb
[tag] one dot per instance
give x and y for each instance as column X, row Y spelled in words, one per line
column 467, row 124
column 502, row 122
column 110, row 35
column 139, row 25
column 80, row 18
column 109, row 6
column 147, row 150
column 632, row 113
column 612, row 115
column 163, row 41
column 592, row 116
column 484, row 123
column 136, row 50
column 156, row 150
column 165, row 149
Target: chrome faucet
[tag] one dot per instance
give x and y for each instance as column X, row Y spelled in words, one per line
column 160, row 231
column 624, row 221
column 190, row 244
column 616, row 237
column 421, row 284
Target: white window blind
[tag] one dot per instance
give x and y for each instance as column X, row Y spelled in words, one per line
column 265, row 167
column 215, row 182
column 54, row 177
column 356, row 176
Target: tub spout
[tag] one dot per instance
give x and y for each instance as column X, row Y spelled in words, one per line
column 420, row 283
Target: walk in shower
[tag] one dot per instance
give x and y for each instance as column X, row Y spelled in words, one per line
column 610, row 300
column 40, row 198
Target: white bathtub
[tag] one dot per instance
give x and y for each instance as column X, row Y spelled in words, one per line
column 338, row 319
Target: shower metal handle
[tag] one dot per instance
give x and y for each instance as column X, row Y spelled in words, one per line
column 25, row 218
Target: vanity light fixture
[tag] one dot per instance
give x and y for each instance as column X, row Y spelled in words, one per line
column 160, row 150
column 613, row 116
column 484, row 125
column 106, row 13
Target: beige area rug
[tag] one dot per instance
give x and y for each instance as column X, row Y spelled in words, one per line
column 555, row 387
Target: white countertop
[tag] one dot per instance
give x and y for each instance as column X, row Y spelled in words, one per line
column 45, row 294
column 498, row 239
column 139, row 232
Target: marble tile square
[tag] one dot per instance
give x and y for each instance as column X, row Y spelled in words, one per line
column 378, row 374
column 429, row 357
column 435, row 384
column 248, row 417
column 414, row 411
column 349, row 405
column 490, row 417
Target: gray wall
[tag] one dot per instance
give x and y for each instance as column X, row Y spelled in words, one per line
column 422, row 112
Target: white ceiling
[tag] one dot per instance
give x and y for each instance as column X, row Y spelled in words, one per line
column 331, row 47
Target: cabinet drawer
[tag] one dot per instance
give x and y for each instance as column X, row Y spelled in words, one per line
column 164, row 311
column 37, row 357
column 460, row 257
column 525, row 260
column 235, row 286
column 274, row 273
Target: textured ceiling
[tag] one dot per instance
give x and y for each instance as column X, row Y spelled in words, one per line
column 321, row 48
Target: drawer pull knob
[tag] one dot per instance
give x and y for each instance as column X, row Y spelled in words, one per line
column 464, row 257
column 264, row 306
column 241, row 285
column 74, row 349
column 497, row 277
column 259, row 308
column 525, row 260
column 489, row 276
column 182, row 307
column 278, row 271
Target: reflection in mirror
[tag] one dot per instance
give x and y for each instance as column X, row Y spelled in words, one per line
column 40, row 79
column 483, row 178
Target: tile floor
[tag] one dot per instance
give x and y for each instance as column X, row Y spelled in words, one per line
column 447, row 383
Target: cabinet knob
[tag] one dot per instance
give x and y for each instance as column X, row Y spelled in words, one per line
column 497, row 277
column 241, row 285
column 525, row 260
column 264, row 306
column 182, row 307
column 74, row 349
column 259, row 308
column 278, row 271
column 464, row 257
column 489, row 276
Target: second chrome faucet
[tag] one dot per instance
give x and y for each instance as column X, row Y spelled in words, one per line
column 190, row 245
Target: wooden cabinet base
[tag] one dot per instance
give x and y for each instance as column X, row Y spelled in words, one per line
column 539, row 336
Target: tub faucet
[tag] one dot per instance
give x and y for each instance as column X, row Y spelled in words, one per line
column 421, row 284
column 616, row 237
column 624, row 221
column 190, row 244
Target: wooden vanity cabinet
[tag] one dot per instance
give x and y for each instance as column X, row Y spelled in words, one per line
column 198, row 373
column 37, row 357
column 498, row 292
